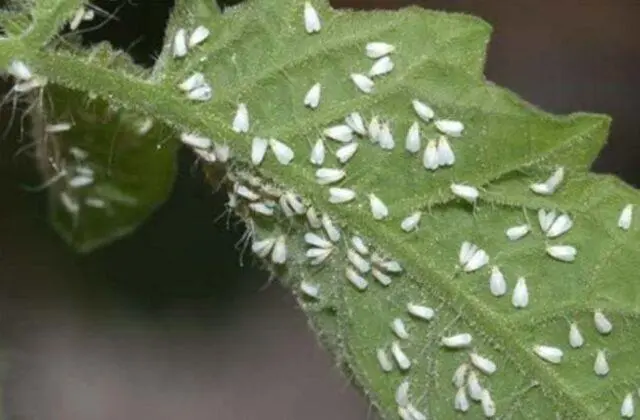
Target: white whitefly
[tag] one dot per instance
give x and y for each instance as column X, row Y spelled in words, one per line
column 430, row 157
column 294, row 202
column 398, row 327
column 284, row 154
column 311, row 19
column 198, row 36
column 374, row 129
column 389, row 266
column 555, row 179
column 356, row 123
column 601, row 365
column 331, row 230
column 356, row 279
column 318, row 255
column 467, row 250
column 402, row 393
column 602, row 323
column 461, row 403
column 385, row 137
column 564, row 253
column 400, row 357
column 627, row 409
column 381, row 277
column 144, row 126
column 541, row 188
column 561, row 225
column 520, row 297
column 77, row 19
column 412, row 141
column 346, row 152
column 195, row 140
column 80, row 181
column 381, row 67
column 450, row 127
column 379, row 210
column 423, row 110
column 342, row 133
column 497, row 283
column 180, row 43
column 263, row 247
column 57, row 128
column 326, row 176
column 312, row 98
column 309, row 289
column 517, row 232
column 313, row 219
column 460, row 375
column 362, row 82
column 245, row 192
column 545, row 219
column 548, row 353
column 317, row 153
column 444, row 152
column 279, row 253
column 457, row 341
column 478, row 260
column 258, row 150
column 357, row 261
column 383, row 360
column 222, row 151
column 202, row 93
column 488, row 406
column 483, row 364
column 415, row 414
column 359, row 245
column 576, row 340
column 473, row 386
column 241, row 119
column 378, row 49
column 465, row 192
column 317, row 240
column 411, row 222
column 262, row 208
column 192, row 82
column 341, row 195
column 420, row 311
column 626, row 215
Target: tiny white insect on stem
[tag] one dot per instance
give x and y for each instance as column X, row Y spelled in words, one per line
column 520, row 298
column 222, row 151
column 258, row 150
column 626, row 215
column 517, row 232
column 197, row 141
column 420, row 311
column 601, row 365
column 412, row 141
column 576, row 340
column 450, row 127
column 19, row 70
column 144, row 126
column 198, row 36
column 80, row 181
column 309, row 289
column 312, row 22
column 602, row 323
column 379, row 210
column 457, row 341
column 497, row 283
column 346, row 152
column 399, row 328
column 362, row 82
column 411, row 222
column 261, row 208
column 284, row 154
column 77, row 19
column 378, row 49
column 241, row 119
column 564, row 253
column 341, row 195
column 180, row 43
column 381, row 67
column 423, row 110
column 312, row 97
column 465, row 192
column 263, row 247
column 548, row 353
column 326, row 176
column 279, row 253
column 400, row 357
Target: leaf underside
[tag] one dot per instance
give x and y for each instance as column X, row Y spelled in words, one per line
column 260, row 54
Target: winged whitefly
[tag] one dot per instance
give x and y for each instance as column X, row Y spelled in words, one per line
column 312, row 23
column 488, row 406
column 576, row 340
column 195, row 140
column 201, row 93
column 602, row 323
column 317, row 153
column 198, row 36
column 461, row 403
column 341, row 195
column 520, row 297
column 383, row 360
column 402, row 393
column 313, row 219
column 401, row 358
column 341, row 133
column 497, row 282
column 626, row 215
column 483, row 364
column 245, row 192
column 240, row 122
column 399, row 328
column 474, row 387
column 412, row 141
column 430, row 156
column 356, row 279
column 445, row 154
column 316, row 240
column 381, row 277
column 564, row 253
column 19, row 70
column 465, row 192
column 357, row 261
column 373, row 129
column 362, row 82
column 263, row 247
column 423, row 110
column 548, row 353
column 180, row 48
column 561, row 225
column 325, row 176
column 601, row 365
column 517, row 232
column 60, row 127
column 410, row 223
column 283, row 153
column 379, row 210
column 309, row 289
column 332, row 231
column 420, row 311
column 627, row 409
column 378, row 49
column 385, row 137
column 382, row 66
column 545, row 219
column 359, row 245
column 460, row 375
column 261, row 208
column 356, row 123
column 317, row 256
column 346, row 152
column 457, row 341
column 450, row 127
column 312, row 97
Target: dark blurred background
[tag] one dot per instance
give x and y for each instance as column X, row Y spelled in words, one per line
column 166, row 325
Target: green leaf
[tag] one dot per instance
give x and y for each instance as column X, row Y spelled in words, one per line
column 260, row 54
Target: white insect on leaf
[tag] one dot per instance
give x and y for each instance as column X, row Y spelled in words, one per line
column 378, row 49
column 460, row 375
column 385, row 137
column 412, row 141
column 295, row 203
column 430, row 157
column 309, row 289
column 560, row 226
column 381, row 277
column 317, row 256
column 483, row 364
column 180, row 43
column 374, row 129
column 222, row 151
column 400, row 357
column 342, row 133
column 601, row 365
column 198, row 36
column 497, row 283
column 517, row 232
column 263, row 247
column 358, row 262
column 399, row 328
column 331, row 230
column 626, row 215
column 359, row 245
column 389, row 266
column 201, row 94
column 457, row 341
column 423, row 110
column 283, row 153
column 346, row 152
column 144, row 126
column 471, row 257
column 362, row 82
column 312, row 22
column 460, row 402
column 564, row 253
column 627, row 409
column 192, row 82
column 473, row 386
column 445, row 154
column 465, row 192
column 520, row 297
column 467, row 250
column 326, row 176
column 57, row 128
column 317, row 153
column 549, row 186
column 420, row 311
column 341, row 195
column 279, row 253
column 379, row 210
column 19, row 70
column 450, row 127
column 313, row 219
column 356, row 123
column 77, row 19
column 80, row 181
column 262, row 208
column 383, row 360
column 410, row 223
column 548, row 353
column 312, row 98
column 402, row 393
column 355, row 279
column 576, row 340
column 381, row 67
column 602, row 323
column 195, row 140
column 241, row 119
column 258, row 150
column 317, row 240
column 208, row 156
column 488, row 406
